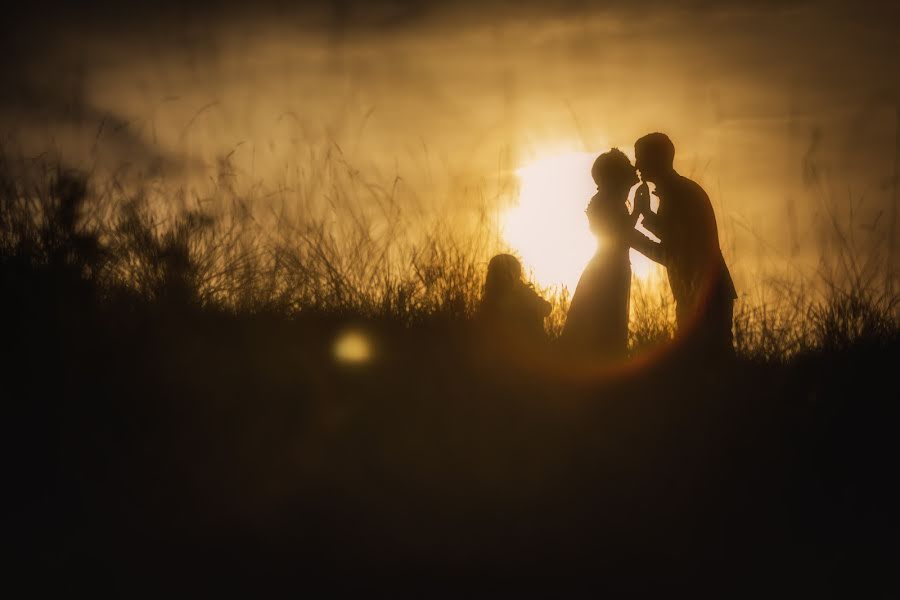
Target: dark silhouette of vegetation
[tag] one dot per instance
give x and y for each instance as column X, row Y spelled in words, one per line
column 175, row 409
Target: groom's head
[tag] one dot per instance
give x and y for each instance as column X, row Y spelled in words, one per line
column 654, row 154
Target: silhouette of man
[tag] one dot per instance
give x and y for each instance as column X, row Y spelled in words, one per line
column 689, row 249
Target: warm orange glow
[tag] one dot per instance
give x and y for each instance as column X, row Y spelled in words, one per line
column 548, row 227
column 352, row 347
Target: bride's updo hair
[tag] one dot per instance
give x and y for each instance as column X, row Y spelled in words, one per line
column 613, row 170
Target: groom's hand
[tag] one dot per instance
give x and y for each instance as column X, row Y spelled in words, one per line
column 642, row 199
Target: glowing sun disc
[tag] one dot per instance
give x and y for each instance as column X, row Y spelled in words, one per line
column 548, row 227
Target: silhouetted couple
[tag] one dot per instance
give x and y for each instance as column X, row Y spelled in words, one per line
column 597, row 322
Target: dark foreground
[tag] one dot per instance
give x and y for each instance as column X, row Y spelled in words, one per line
column 148, row 448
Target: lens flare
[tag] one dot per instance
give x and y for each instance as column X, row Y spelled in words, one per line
column 352, row 347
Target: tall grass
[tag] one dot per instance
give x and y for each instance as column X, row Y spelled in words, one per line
column 339, row 243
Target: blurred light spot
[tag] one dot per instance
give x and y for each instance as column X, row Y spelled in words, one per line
column 352, row 347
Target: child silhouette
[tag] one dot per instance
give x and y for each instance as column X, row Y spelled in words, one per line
column 510, row 306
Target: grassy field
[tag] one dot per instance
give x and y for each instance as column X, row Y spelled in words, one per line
column 175, row 408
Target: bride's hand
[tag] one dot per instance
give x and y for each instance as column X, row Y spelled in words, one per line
column 642, row 199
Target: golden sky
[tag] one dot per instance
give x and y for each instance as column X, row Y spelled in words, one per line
column 785, row 112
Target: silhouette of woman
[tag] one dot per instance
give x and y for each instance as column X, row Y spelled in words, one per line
column 597, row 321
column 510, row 307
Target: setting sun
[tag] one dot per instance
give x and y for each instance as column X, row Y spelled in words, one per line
column 548, row 227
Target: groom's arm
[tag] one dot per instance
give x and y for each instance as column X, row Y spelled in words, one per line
column 651, row 222
column 655, row 251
